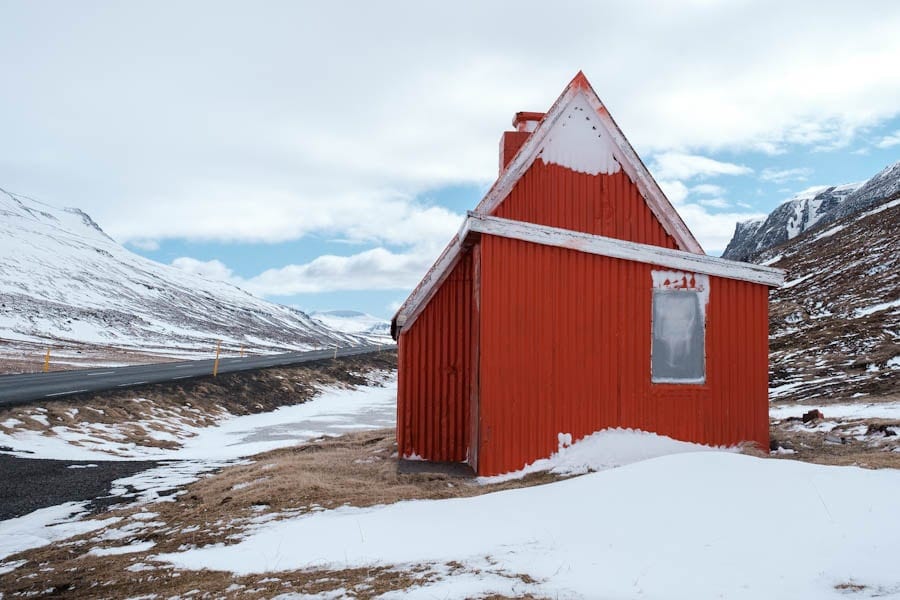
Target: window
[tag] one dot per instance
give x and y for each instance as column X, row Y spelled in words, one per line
column 678, row 353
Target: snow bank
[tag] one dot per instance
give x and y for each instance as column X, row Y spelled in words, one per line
column 692, row 525
column 602, row 450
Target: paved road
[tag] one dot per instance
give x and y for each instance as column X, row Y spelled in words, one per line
column 25, row 388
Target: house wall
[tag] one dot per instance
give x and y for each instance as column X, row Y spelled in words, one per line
column 435, row 372
column 607, row 205
column 565, row 343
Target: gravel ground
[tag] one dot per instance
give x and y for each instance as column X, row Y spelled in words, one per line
column 30, row 483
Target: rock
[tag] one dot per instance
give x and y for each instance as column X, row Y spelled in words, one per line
column 813, row 415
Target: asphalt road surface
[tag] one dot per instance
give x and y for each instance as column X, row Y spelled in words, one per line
column 29, row 387
column 30, row 483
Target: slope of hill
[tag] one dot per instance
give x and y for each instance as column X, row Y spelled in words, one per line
column 810, row 209
column 66, row 284
column 835, row 324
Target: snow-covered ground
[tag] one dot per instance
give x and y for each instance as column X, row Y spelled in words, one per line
column 649, row 516
column 690, row 525
column 860, row 410
column 334, row 412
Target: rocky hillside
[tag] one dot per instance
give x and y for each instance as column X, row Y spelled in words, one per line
column 835, row 324
column 66, row 284
column 809, row 210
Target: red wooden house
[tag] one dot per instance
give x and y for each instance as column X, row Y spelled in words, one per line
column 574, row 299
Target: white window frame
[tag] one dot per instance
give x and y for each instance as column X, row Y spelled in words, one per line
column 701, row 312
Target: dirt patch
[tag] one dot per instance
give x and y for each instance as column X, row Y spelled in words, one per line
column 153, row 415
column 358, row 469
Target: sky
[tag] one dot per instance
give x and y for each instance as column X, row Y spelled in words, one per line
column 321, row 155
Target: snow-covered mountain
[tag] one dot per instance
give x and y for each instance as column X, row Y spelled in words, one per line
column 358, row 323
column 885, row 184
column 835, row 323
column 791, row 218
column 64, row 283
column 811, row 209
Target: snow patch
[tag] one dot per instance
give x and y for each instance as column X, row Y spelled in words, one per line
column 116, row 550
column 579, row 141
column 45, row 526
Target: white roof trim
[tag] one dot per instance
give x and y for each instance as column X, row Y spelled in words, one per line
column 580, row 242
column 624, row 154
column 625, row 250
column 436, row 275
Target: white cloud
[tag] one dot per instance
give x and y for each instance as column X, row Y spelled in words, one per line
column 678, row 165
column 265, row 124
column 143, row 244
column 674, row 190
column 211, row 269
column 889, row 141
column 713, row 202
column 708, row 189
column 781, row 176
column 374, row 269
column 713, row 230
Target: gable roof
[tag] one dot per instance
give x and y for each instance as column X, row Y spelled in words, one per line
column 606, row 153
column 476, row 223
column 612, row 152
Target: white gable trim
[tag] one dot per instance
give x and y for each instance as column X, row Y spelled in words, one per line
column 625, row 250
column 579, row 242
column 436, row 275
column 623, row 152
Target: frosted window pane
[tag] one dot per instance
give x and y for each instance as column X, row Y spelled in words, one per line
column 678, row 354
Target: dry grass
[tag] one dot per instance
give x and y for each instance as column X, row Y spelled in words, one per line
column 358, row 469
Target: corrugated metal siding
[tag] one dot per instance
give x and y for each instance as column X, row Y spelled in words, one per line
column 435, row 373
column 565, row 348
column 608, row 205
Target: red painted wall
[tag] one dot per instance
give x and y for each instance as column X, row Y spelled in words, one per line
column 608, row 205
column 435, row 373
column 565, row 348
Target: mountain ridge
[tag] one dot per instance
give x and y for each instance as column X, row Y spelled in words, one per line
column 66, row 284
column 810, row 210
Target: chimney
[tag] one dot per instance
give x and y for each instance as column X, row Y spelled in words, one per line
column 523, row 124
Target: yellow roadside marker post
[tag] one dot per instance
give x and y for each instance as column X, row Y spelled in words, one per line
column 47, row 361
column 216, row 363
column 242, row 351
